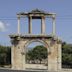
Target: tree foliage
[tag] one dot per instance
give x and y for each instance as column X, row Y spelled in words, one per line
column 67, row 55
column 5, row 55
column 37, row 53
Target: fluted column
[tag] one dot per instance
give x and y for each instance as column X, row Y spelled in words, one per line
column 43, row 25
column 18, row 25
column 30, row 25
column 54, row 26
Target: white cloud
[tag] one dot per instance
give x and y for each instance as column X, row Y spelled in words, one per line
column 2, row 26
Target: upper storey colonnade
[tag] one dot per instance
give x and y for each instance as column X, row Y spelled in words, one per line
column 37, row 14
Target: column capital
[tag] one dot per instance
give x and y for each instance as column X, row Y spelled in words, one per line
column 43, row 17
column 18, row 17
column 53, row 16
column 29, row 16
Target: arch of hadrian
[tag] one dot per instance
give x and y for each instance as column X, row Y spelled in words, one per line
column 51, row 42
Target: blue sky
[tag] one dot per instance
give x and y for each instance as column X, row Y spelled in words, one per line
column 8, row 20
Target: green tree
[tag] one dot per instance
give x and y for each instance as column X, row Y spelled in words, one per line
column 37, row 53
column 67, row 55
column 5, row 55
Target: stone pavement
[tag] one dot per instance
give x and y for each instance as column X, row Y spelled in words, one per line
column 9, row 70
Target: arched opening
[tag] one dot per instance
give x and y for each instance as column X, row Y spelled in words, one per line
column 36, row 54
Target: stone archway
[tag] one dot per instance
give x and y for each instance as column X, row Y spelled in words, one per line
column 37, row 66
column 23, row 52
column 45, row 44
column 20, row 43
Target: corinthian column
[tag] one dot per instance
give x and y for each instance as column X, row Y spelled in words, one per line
column 54, row 26
column 18, row 25
column 43, row 25
column 30, row 25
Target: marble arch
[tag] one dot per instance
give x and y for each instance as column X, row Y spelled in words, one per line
column 20, row 41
